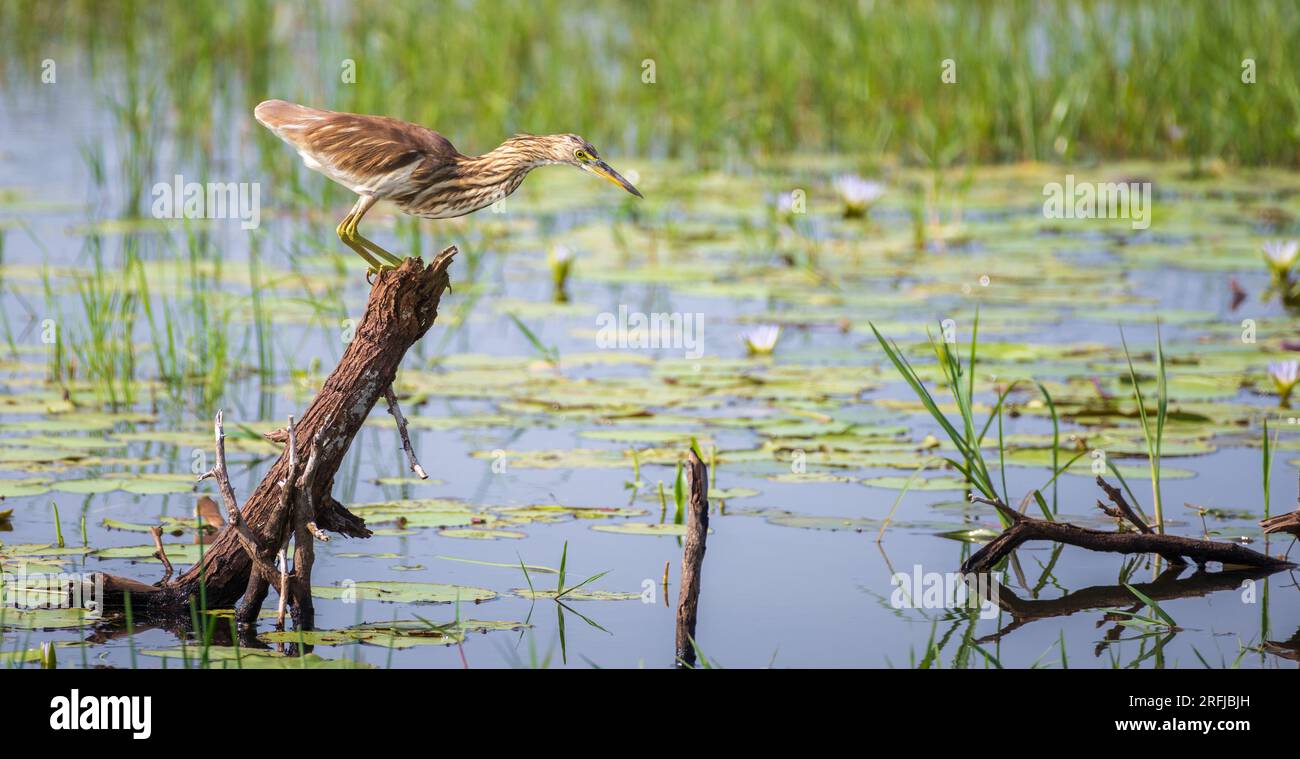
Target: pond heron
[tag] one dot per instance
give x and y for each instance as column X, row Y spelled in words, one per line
column 380, row 158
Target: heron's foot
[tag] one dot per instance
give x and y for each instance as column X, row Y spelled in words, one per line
column 374, row 271
column 375, row 249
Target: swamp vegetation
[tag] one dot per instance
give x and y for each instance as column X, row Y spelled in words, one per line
column 869, row 320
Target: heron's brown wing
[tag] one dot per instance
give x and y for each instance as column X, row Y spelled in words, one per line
column 353, row 147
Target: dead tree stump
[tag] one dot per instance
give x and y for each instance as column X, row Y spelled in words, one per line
column 402, row 307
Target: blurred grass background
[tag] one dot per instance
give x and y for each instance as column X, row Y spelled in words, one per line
column 735, row 79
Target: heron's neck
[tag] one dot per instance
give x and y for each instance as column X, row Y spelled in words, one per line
column 513, row 158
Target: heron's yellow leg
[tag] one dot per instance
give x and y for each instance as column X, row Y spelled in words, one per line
column 359, row 210
column 342, row 231
column 374, row 248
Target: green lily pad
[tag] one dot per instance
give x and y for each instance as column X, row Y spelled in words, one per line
column 223, row 657
column 581, row 594
column 393, row 591
column 642, row 528
column 469, row 534
column 919, row 483
column 177, row 553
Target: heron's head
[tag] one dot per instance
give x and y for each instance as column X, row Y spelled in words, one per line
column 573, row 150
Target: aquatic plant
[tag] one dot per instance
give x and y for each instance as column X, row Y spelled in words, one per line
column 857, row 195
column 1154, row 437
column 560, row 259
column 1041, row 82
column 761, row 340
column 1284, row 374
column 1281, row 256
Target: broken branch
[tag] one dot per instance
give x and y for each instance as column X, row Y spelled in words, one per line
column 396, row 411
column 160, row 554
column 1025, row 528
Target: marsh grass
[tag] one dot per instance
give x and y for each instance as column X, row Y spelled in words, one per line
column 1154, row 437
column 1267, row 463
column 1034, row 80
column 969, row 440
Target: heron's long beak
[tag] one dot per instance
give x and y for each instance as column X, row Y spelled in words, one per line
column 602, row 169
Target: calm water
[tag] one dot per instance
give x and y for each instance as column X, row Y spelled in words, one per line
column 777, row 589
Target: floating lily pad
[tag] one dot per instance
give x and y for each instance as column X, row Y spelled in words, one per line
column 504, row 565
column 918, row 483
column 726, row 494
column 582, row 594
column 144, row 484
column 809, row 477
column 823, row 523
column 555, row 513
column 397, row 634
column 23, row 488
column 223, row 657
column 48, row 619
column 177, row 553
column 642, row 528
column 469, row 534
column 393, row 591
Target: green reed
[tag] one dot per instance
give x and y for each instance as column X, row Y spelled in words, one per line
column 1033, row 80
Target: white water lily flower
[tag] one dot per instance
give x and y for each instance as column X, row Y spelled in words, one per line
column 761, row 340
column 561, row 260
column 857, row 194
column 1281, row 254
column 785, row 203
column 560, row 253
column 1284, row 375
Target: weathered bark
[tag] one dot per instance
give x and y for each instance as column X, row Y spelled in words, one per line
column 1288, row 523
column 1024, row 528
column 1124, row 511
column 697, row 533
column 402, row 307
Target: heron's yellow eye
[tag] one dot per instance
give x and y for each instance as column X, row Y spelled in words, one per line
column 581, row 155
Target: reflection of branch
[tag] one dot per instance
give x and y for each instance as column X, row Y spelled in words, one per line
column 1023, row 528
column 1166, row 586
column 1287, row 649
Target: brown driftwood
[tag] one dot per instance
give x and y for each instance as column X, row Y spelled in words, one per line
column 1123, row 511
column 293, row 497
column 697, row 533
column 1022, row 528
column 1288, row 523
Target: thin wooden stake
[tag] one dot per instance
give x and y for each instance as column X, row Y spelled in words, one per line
column 697, row 532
